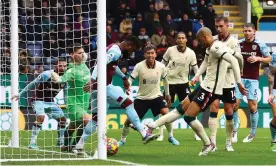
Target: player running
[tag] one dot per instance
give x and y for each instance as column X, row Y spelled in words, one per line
column 149, row 73
column 254, row 52
column 45, row 91
column 228, row 97
column 115, row 94
column 210, row 88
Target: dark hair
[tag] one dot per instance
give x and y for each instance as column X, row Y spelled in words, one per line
column 181, row 32
column 73, row 48
column 134, row 41
column 61, row 59
column 150, row 47
column 222, row 18
column 250, row 25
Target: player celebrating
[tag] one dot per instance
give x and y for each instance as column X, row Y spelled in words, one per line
column 45, row 91
column 149, row 73
column 228, row 96
column 209, row 90
column 178, row 60
column 77, row 100
column 272, row 100
column 254, row 52
column 114, row 93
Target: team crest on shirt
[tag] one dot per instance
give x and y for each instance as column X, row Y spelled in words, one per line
column 254, row 47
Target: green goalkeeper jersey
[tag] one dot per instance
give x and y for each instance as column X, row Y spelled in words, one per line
column 76, row 77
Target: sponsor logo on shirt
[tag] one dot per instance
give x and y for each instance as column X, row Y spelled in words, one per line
column 149, row 81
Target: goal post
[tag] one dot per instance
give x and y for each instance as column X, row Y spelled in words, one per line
column 42, row 43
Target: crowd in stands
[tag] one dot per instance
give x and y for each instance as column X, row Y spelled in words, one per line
column 47, row 27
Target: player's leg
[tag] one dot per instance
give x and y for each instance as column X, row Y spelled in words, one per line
column 213, row 122
column 158, row 106
column 141, row 107
column 273, row 124
column 69, row 131
column 38, row 107
column 117, row 94
column 57, row 113
column 253, row 108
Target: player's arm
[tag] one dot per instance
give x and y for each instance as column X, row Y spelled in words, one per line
column 41, row 78
column 113, row 54
column 67, row 76
column 266, row 55
column 166, row 57
column 200, row 71
column 123, row 76
column 134, row 74
column 166, row 86
column 195, row 67
column 239, row 57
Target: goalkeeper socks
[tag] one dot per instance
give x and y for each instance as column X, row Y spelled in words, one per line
column 35, row 131
column 273, row 131
column 78, row 135
column 254, row 117
column 134, row 119
column 169, row 129
column 198, row 129
column 213, row 123
column 89, row 129
column 68, row 136
column 236, row 119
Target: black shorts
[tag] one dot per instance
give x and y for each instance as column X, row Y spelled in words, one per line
column 203, row 98
column 228, row 95
column 182, row 91
column 142, row 106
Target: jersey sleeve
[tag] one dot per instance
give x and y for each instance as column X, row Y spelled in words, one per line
column 135, row 72
column 264, row 49
column 164, row 72
column 113, row 54
column 194, row 61
column 44, row 76
column 68, row 75
column 166, row 56
column 218, row 49
column 234, row 45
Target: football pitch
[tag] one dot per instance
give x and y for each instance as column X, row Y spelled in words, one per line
column 155, row 153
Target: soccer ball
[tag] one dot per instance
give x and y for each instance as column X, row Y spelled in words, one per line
column 112, row 146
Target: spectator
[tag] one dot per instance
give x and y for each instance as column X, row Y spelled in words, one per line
column 171, row 38
column 199, row 51
column 126, row 23
column 159, row 4
column 6, row 61
column 193, row 5
column 202, row 8
column 185, row 25
column 111, row 36
column 148, row 17
column 47, row 23
column 169, row 24
column 21, row 37
column 161, row 49
column 132, row 7
column 197, row 25
column 79, row 25
column 127, row 34
column 156, row 22
column 189, row 39
column 163, row 13
column 143, row 34
column 209, row 18
column 24, row 62
column 113, row 26
column 120, row 13
column 138, row 24
column 157, row 38
column 195, row 16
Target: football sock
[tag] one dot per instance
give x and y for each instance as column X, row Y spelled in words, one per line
column 198, row 129
column 213, row 126
column 229, row 128
column 35, row 131
column 89, row 129
column 168, row 118
column 125, row 133
column 254, row 117
column 68, row 136
column 273, row 131
column 61, row 134
column 236, row 119
column 169, row 129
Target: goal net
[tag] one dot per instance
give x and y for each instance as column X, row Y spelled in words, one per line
column 46, row 29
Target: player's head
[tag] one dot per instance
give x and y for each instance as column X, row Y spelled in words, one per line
column 150, row 53
column 204, row 36
column 76, row 53
column 221, row 24
column 181, row 39
column 132, row 43
column 249, row 31
column 61, row 65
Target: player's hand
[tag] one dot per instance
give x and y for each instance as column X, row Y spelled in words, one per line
column 270, row 99
column 15, row 97
column 88, row 86
column 194, row 80
column 55, row 77
column 126, row 85
column 242, row 89
column 168, row 100
column 253, row 59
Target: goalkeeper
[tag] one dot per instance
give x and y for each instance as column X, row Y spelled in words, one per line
column 78, row 100
column 45, row 91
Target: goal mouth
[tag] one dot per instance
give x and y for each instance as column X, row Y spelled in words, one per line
column 47, row 31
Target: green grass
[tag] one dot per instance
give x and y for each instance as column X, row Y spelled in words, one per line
column 156, row 153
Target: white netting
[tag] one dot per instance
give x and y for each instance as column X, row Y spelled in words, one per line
column 46, row 29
